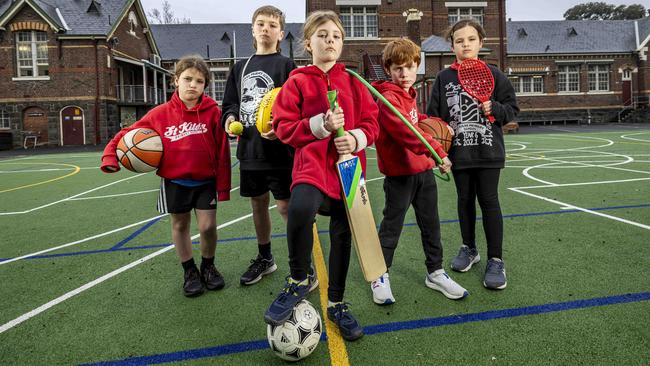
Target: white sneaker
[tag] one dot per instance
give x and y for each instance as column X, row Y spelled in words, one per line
column 440, row 281
column 381, row 293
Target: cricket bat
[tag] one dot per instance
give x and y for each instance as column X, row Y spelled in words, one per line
column 358, row 210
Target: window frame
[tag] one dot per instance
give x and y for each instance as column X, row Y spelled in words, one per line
column 366, row 11
column 519, row 81
column 34, row 58
column 211, row 90
column 458, row 16
column 568, row 82
column 5, row 117
column 594, row 77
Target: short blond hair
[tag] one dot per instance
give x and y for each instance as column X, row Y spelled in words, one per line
column 400, row 52
column 315, row 20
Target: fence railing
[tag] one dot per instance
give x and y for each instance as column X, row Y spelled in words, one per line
column 136, row 94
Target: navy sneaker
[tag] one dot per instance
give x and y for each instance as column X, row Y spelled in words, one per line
column 495, row 274
column 348, row 325
column 313, row 279
column 281, row 308
column 192, row 285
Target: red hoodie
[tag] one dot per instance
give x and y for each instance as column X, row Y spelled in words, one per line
column 298, row 121
column 195, row 145
column 399, row 151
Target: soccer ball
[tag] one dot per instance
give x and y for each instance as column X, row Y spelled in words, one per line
column 298, row 337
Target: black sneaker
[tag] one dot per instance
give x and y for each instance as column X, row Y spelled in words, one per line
column 212, row 279
column 281, row 308
column 192, row 286
column 348, row 325
column 259, row 267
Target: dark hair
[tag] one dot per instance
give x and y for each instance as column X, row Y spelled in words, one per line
column 449, row 33
column 192, row 61
column 399, row 52
column 271, row 11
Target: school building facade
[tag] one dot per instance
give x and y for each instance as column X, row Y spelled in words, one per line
column 73, row 72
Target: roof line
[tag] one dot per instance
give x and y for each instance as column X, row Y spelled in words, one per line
column 18, row 5
column 65, row 25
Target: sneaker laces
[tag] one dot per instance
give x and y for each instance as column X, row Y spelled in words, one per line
column 494, row 266
column 290, row 289
column 211, row 271
column 257, row 264
column 341, row 311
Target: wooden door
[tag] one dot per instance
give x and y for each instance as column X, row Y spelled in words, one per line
column 35, row 123
column 72, row 126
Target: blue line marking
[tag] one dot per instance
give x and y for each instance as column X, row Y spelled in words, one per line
column 136, row 233
column 322, row 232
column 387, row 328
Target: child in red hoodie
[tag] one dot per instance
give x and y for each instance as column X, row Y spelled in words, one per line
column 303, row 119
column 407, row 164
column 195, row 168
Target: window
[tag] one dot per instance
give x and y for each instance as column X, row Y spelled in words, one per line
column 528, row 84
column 456, row 14
column 4, row 119
column 568, row 78
column 217, row 84
column 31, row 53
column 598, row 77
column 360, row 21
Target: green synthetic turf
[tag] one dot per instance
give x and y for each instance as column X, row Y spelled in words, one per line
column 552, row 255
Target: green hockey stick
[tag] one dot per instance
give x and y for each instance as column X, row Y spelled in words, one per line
column 377, row 94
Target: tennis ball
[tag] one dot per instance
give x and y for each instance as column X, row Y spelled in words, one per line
column 236, row 128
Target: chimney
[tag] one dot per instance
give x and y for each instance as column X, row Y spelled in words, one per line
column 413, row 17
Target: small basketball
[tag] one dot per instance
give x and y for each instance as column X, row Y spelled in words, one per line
column 264, row 111
column 435, row 127
column 140, row 150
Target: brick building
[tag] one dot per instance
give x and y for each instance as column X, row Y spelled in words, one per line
column 72, row 71
column 591, row 71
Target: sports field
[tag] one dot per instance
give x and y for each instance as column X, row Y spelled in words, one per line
column 89, row 276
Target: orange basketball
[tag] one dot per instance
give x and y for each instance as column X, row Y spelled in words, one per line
column 140, row 150
column 435, row 127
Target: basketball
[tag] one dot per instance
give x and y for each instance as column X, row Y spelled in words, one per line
column 435, row 127
column 264, row 114
column 140, row 150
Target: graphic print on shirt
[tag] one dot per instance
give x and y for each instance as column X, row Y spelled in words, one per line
column 470, row 126
column 175, row 133
column 254, row 86
column 414, row 116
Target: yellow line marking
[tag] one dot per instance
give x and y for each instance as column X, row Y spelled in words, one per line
column 335, row 343
column 76, row 170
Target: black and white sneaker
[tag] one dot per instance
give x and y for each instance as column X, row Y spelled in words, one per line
column 259, row 268
column 495, row 274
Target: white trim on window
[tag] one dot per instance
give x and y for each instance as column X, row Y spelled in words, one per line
column 357, row 2
column 30, row 78
column 466, row 4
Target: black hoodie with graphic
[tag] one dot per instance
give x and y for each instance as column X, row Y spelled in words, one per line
column 477, row 143
column 241, row 98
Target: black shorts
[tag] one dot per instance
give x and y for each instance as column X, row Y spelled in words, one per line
column 176, row 198
column 253, row 183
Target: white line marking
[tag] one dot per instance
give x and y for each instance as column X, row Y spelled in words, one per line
column 569, row 206
column 113, row 195
column 42, row 170
column 101, row 279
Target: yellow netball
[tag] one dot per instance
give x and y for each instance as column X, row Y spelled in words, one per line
column 264, row 114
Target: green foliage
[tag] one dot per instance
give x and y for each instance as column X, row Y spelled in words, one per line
column 604, row 11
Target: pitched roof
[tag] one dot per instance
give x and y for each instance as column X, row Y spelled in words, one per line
column 435, row 44
column 571, row 36
column 74, row 14
column 644, row 29
column 178, row 40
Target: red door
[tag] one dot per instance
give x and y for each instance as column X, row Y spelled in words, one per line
column 72, row 126
column 35, row 123
column 627, row 92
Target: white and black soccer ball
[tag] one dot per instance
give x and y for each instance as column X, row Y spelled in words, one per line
column 298, row 337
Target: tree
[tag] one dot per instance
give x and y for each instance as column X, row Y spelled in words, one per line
column 604, row 11
column 166, row 16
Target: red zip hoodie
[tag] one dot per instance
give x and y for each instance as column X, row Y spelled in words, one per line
column 195, row 146
column 399, row 151
column 298, row 121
